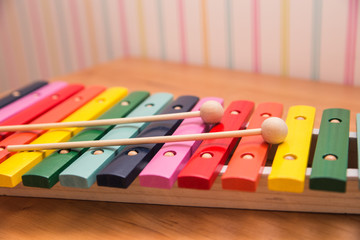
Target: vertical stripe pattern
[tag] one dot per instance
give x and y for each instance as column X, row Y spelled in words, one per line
column 123, row 28
column 50, row 36
column 64, row 39
column 6, row 46
column 205, row 32
column 19, row 50
column 353, row 11
column 90, row 23
column 316, row 39
column 161, row 29
column 182, row 31
column 77, row 34
column 256, row 36
column 40, row 44
column 285, row 37
column 43, row 39
column 107, row 23
column 229, row 33
column 141, row 28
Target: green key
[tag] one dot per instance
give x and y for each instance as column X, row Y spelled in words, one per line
column 46, row 173
column 331, row 154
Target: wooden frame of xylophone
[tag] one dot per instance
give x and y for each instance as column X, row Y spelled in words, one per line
column 262, row 199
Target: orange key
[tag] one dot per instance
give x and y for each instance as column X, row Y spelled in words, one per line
column 246, row 165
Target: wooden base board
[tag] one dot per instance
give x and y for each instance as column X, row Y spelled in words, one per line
column 263, row 199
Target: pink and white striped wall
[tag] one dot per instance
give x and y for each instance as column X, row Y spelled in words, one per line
column 314, row 39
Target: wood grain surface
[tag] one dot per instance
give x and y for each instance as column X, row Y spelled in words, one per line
column 37, row 218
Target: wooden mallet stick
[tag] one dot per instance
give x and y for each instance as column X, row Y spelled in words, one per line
column 273, row 130
column 211, row 112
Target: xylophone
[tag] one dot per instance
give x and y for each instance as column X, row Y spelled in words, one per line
column 312, row 170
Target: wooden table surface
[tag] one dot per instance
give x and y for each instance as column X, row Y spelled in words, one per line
column 36, row 218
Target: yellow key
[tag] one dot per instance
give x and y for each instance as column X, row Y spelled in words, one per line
column 291, row 158
column 14, row 167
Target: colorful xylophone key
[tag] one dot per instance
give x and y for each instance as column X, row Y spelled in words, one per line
column 128, row 164
column 331, row 154
column 21, row 92
column 14, row 167
column 291, row 158
column 82, row 172
column 164, row 167
column 46, row 173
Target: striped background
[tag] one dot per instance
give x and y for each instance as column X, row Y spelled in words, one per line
column 312, row 39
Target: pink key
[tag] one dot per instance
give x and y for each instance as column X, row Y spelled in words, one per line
column 30, row 99
column 163, row 169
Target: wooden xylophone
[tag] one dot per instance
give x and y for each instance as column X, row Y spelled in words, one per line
column 312, row 170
